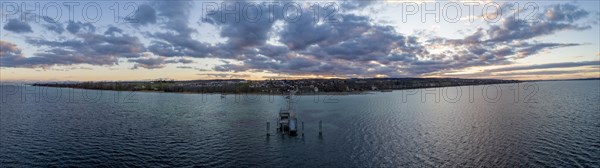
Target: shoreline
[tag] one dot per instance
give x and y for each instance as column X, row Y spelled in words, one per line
column 281, row 94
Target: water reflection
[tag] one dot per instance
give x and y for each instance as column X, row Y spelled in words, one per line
column 557, row 126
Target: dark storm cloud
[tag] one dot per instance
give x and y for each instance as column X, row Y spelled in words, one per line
column 17, row 26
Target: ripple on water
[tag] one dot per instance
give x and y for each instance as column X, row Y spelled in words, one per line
column 373, row 130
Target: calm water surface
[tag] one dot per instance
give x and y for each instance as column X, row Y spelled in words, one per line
column 538, row 124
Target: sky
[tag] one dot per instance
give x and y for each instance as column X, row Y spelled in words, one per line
column 203, row 39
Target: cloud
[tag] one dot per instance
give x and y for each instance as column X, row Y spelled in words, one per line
column 112, row 30
column 148, row 63
column 554, row 72
column 354, row 45
column 345, row 47
column 144, row 15
column 9, row 50
column 502, row 43
column 156, row 62
column 224, row 75
column 180, row 60
column 86, row 48
column 531, row 49
column 546, row 66
column 513, row 29
column 17, row 26
column 96, row 45
column 565, row 12
column 526, row 74
column 559, row 17
column 554, row 18
column 536, row 69
column 178, row 40
column 78, row 27
column 249, row 29
column 11, row 56
column 53, row 25
column 305, row 32
column 9, row 53
column 355, row 4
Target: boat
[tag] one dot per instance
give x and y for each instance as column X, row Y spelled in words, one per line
column 287, row 121
column 223, row 96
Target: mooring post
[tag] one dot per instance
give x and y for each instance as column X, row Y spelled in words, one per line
column 320, row 128
column 302, row 128
column 268, row 127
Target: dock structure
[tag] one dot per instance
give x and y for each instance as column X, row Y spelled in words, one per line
column 287, row 118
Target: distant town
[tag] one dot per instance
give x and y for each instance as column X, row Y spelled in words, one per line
column 301, row 86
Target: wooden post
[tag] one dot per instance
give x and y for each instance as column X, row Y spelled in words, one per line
column 320, row 128
column 302, row 128
column 268, row 127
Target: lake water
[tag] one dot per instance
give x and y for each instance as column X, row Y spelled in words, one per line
column 530, row 124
